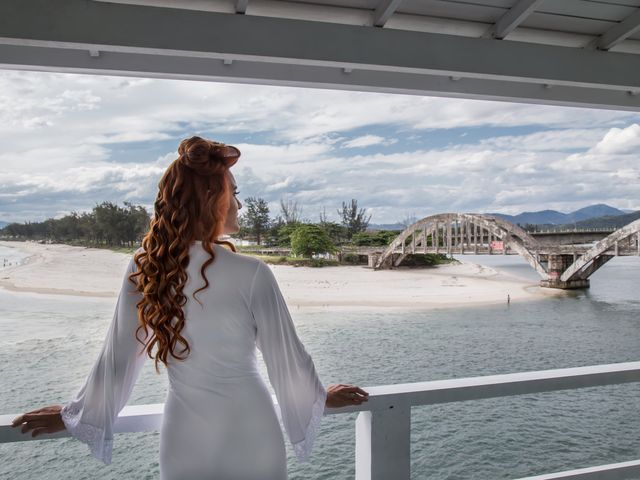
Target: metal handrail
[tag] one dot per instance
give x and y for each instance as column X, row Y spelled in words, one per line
column 383, row 425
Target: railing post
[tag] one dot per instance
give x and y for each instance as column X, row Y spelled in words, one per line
column 383, row 444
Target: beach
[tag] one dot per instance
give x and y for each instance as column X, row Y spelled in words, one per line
column 69, row 270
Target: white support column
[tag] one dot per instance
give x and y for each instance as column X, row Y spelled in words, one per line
column 436, row 237
column 413, row 242
column 455, row 234
column 638, row 241
column 449, row 238
column 475, row 239
column 424, row 235
column 383, row 444
column 615, row 246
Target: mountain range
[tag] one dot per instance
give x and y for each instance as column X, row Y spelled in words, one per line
column 553, row 217
column 599, row 215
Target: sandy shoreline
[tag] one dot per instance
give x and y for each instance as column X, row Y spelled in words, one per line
column 67, row 270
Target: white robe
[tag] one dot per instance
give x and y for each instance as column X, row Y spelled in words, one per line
column 219, row 419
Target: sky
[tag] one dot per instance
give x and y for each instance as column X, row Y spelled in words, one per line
column 70, row 141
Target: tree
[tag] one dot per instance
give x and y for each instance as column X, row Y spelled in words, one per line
column 309, row 239
column 256, row 217
column 106, row 223
column 354, row 219
column 380, row 238
column 409, row 220
column 290, row 210
column 283, row 233
column 336, row 232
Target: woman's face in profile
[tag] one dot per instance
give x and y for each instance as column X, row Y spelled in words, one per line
column 231, row 224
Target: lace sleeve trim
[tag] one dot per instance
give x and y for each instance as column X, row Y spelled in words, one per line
column 303, row 448
column 90, row 434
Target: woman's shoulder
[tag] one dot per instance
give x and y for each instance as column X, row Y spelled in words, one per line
column 236, row 260
column 240, row 259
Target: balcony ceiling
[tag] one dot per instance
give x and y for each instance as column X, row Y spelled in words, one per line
column 559, row 52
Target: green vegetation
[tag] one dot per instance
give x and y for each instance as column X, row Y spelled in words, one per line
column 380, row 238
column 426, row 260
column 107, row 225
column 353, row 218
column 310, row 239
column 294, row 241
column 295, row 261
column 255, row 220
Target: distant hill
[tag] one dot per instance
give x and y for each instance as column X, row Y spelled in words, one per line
column 615, row 221
column 599, row 215
column 553, row 217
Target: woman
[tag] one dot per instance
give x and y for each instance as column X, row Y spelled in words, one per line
column 205, row 309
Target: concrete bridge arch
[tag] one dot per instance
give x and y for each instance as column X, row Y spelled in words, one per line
column 461, row 233
column 603, row 251
column 559, row 266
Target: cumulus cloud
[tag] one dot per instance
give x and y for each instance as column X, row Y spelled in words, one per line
column 69, row 141
column 620, row 141
column 368, row 141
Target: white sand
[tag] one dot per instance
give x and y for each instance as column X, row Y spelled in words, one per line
column 67, row 270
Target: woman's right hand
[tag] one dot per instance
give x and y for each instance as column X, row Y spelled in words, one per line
column 342, row 395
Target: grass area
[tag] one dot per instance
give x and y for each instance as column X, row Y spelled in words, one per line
column 415, row 261
column 294, row 261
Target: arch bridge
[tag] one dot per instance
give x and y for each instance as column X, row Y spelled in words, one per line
column 559, row 263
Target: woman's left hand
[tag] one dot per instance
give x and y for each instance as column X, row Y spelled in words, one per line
column 42, row 420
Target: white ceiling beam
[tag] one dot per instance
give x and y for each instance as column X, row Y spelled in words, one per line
column 378, row 59
column 241, row 6
column 619, row 33
column 383, row 11
column 204, row 69
column 517, row 14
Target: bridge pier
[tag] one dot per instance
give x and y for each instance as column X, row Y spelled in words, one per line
column 557, row 264
column 569, row 285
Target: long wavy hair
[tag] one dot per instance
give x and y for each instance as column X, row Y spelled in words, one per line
column 193, row 198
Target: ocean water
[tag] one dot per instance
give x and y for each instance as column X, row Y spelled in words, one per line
column 48, row 344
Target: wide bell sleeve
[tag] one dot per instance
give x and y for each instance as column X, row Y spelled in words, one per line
column 301, row 396
column 91, row 414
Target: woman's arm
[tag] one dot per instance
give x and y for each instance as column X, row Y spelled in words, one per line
column 91, row 413
column 301, row 396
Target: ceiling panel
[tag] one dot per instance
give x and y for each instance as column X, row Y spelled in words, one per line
column 562, row 23
column 586, row 9
column 364, row 4
column 447, row 9
column 628, row 3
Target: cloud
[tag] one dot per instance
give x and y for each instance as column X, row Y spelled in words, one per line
column 69, row 141
column 368, row 141
column 548, row 140
column 620, row 141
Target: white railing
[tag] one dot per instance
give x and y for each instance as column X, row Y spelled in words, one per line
column 383, row 427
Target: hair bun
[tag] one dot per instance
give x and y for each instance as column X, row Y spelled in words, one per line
column 206, row 157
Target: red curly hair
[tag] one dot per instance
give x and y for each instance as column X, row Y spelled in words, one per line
column 193, row 198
